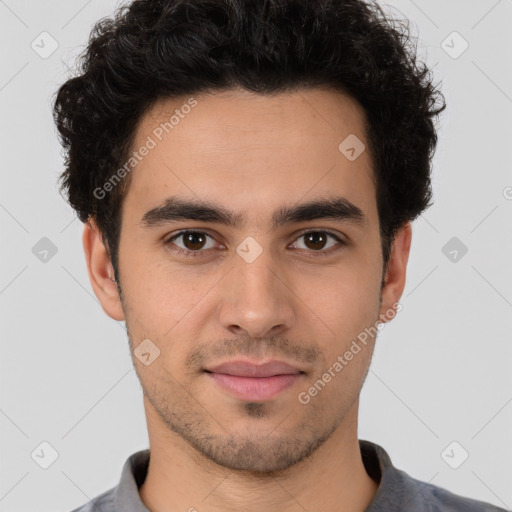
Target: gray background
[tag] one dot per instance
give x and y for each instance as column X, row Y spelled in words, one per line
column 441, row 371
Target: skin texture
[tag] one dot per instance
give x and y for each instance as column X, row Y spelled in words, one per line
column 251, row 154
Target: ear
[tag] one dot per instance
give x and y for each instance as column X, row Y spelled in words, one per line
column 394, row 281
column 101, row 272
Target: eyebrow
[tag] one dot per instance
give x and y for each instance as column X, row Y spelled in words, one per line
column 178, row 209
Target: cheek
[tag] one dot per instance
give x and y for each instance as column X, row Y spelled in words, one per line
column 348, row 343
column 345, row 310
column 168, row 308
column 338, row 384
column 345, row 295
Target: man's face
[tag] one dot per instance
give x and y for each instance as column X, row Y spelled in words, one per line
column 304, row 299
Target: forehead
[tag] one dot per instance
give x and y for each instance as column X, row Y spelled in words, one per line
column 234, row 119
column 251, row 149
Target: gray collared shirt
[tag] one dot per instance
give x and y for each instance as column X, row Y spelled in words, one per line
column 397, row 492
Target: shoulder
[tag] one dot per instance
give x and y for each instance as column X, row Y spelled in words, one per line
column 399, row 491
column 103, row 502
column 432, row 498
column 125, row 494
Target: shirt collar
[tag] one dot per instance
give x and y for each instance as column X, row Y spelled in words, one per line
column 126, row 495
column 377, row 463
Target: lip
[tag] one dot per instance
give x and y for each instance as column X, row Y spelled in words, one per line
column 244, row 368
column 256, row 382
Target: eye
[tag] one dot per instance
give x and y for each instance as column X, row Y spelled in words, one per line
column 193, row 242
column 316, row 241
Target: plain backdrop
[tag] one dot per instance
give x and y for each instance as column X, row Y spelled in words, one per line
column 440, row 385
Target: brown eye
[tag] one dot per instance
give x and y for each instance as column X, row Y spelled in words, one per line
column 191, row 242
column 316, row 241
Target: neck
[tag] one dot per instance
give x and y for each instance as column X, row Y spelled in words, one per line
column 180, row 478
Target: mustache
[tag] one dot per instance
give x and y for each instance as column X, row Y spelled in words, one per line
column 276, row 347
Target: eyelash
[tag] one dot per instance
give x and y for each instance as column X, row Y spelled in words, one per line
column 195, row 254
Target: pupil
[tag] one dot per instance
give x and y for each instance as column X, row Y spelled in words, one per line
column 189, row 240
column 313, row 236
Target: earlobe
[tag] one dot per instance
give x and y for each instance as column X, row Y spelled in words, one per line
column 101, row 272
column 396, row 272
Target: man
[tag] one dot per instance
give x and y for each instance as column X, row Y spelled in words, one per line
column 247, row 172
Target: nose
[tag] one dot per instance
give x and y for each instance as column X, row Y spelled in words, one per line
column 255, row 298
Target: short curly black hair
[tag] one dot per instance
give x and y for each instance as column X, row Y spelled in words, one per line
column 154, row 49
